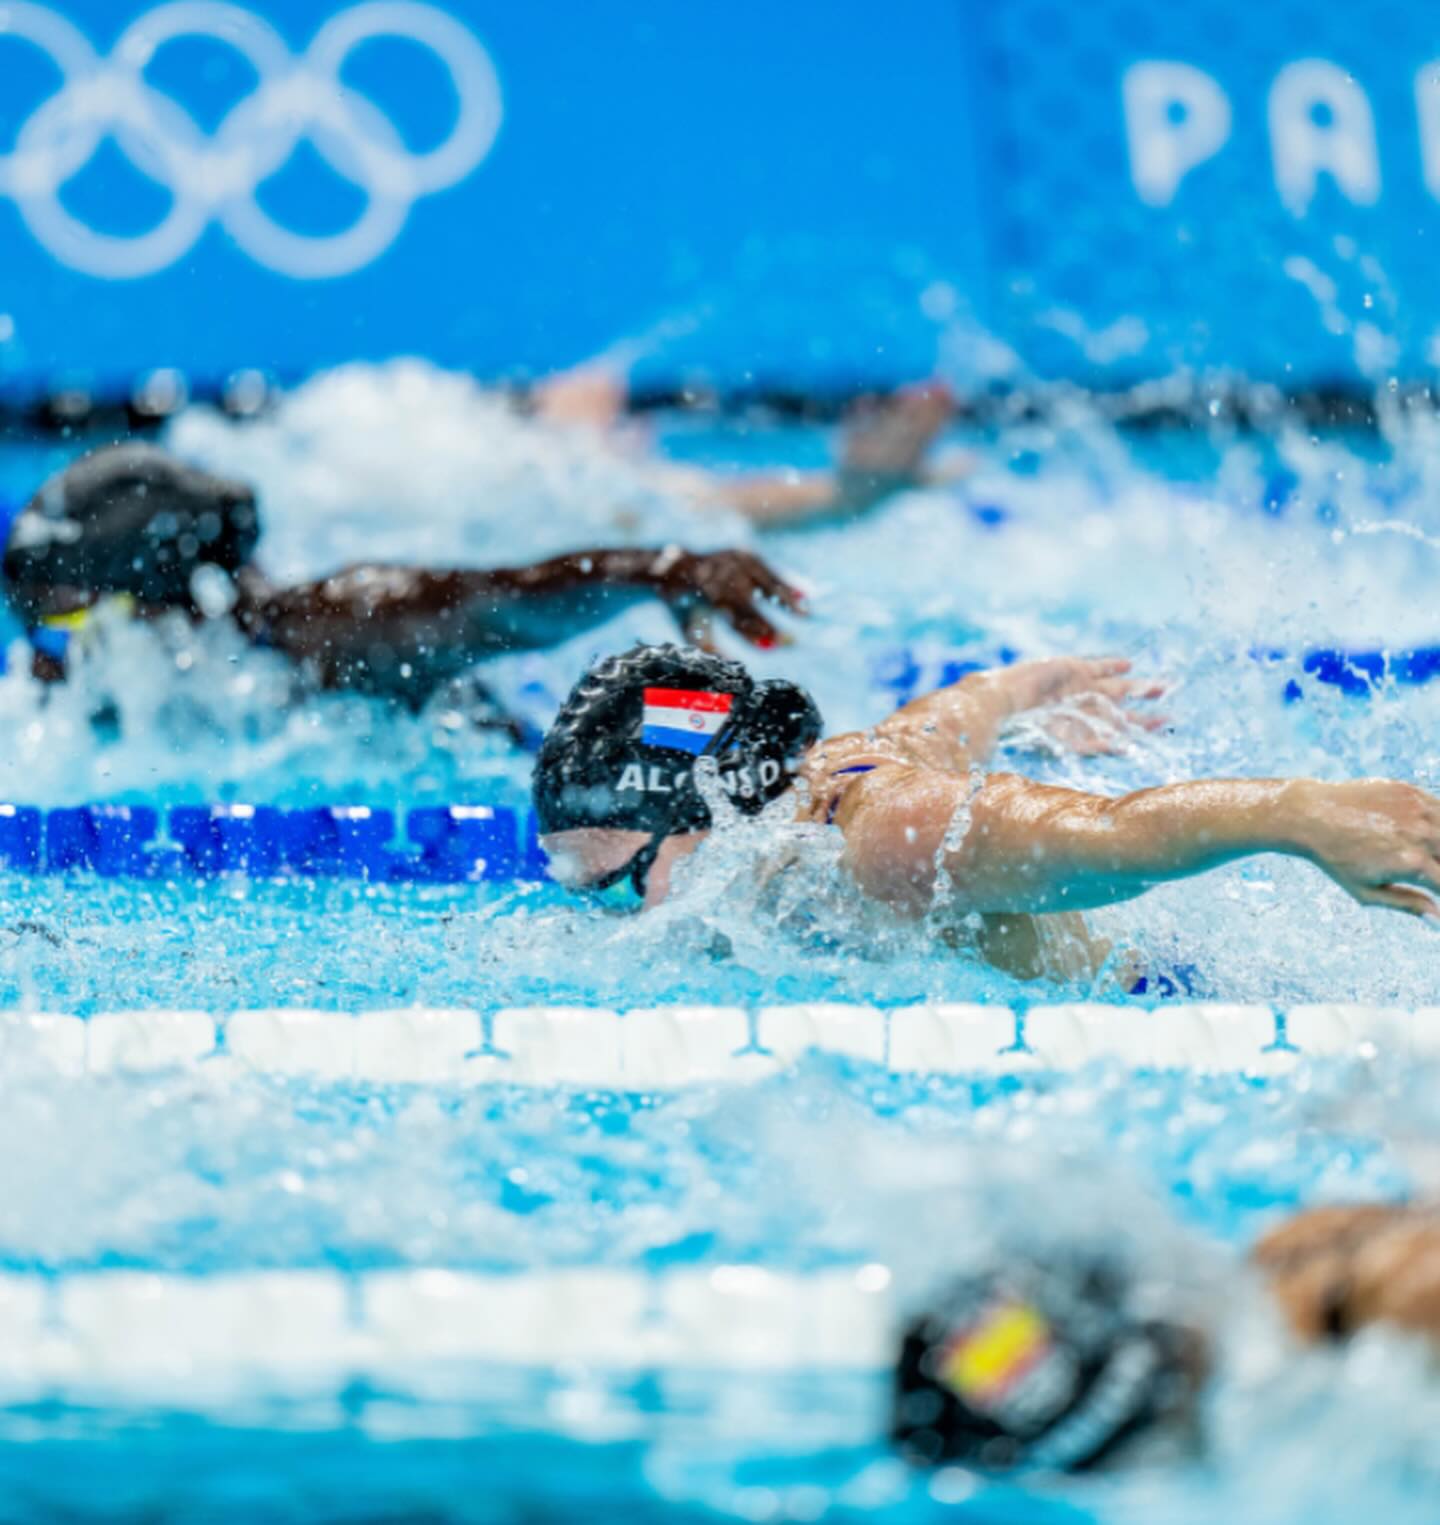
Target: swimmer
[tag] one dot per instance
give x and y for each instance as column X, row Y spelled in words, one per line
column 885, row 442
column 1065, row 1365
column 131, row 530
column 616, row 799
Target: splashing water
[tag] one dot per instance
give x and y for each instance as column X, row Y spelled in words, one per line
column 1189, row 557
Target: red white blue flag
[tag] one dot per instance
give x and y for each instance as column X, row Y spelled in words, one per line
column 682, row 719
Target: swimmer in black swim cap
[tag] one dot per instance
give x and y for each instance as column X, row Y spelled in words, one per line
column 918, row 806
column 619, row 763
column 130, row 529
column 1041, row 1368
column 1052, row 1365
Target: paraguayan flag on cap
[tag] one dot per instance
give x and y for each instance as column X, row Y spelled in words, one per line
column 683, row 719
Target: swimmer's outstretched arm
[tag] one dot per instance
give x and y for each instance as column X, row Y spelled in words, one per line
column 958, row 728
column 434, row 623
column 1012, row 845
column 544, row 604
column 886, row 441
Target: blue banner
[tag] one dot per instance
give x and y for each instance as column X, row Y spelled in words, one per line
column 810, row 195
column 1220, row 183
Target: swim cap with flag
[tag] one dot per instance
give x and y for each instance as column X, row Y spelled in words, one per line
column 623, row 750
column 1038, row 1368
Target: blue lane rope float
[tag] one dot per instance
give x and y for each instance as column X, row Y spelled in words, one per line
column 442, row 844
column 906, row 673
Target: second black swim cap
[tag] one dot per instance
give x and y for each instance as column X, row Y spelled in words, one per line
column 128, row 519
column 1039, row 1368
column 623, row 749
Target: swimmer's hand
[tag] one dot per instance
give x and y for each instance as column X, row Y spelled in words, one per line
column 1334, row 1270
column 732, row 584
column 1032, row 685
column 1377, row 840
column 1084, row 705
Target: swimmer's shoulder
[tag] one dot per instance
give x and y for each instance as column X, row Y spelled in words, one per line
column 835, row 769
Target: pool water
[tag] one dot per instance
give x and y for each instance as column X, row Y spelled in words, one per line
column 1189, row 555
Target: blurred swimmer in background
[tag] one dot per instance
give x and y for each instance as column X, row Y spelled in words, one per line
column 885, row 442
column 1067, row 1362
column 999, row 863
column 131, row 532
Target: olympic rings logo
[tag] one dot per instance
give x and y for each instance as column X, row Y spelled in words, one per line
column 214, row 177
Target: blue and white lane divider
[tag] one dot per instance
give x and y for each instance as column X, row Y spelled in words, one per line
column 198, row 1342
column 907, row 672
column 668, row 1048
column 443, row 844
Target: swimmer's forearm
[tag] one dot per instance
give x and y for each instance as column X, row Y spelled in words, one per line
column 559, row 598
column 624, row 568
column 534, row 607
column 1012, row 845
column 437, row 620
column 955, row 727
column 1034, row 848
column 408, row 610
column 539, row 620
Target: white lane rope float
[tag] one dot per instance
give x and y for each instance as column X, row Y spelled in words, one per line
column 214, row 177
column 668, row 1048
column 199, row 1341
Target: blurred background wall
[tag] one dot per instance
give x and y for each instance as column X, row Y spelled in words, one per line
column 812, row 195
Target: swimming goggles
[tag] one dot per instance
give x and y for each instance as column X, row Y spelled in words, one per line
column 637, row 870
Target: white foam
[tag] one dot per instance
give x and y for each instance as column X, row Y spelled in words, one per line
column 30, row 1351
column 342, row 454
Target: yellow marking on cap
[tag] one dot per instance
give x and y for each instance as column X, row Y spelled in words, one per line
column 987, row 1358
column 77, row 619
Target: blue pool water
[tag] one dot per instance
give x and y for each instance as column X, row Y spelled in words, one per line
column 1067, row 539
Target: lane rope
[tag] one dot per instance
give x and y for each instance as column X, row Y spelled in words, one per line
column 665, row 1048
column 193, row 1342
column 441, row 844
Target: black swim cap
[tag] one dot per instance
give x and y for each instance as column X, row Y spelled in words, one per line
column 623, row 749
column 1039, row 1369
column 128, row 519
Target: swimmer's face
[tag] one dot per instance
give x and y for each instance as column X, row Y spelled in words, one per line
column 582, row 858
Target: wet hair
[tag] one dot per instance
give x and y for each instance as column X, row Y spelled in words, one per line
column 1041, row 1367
column 128, row 519
column 601, row 765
